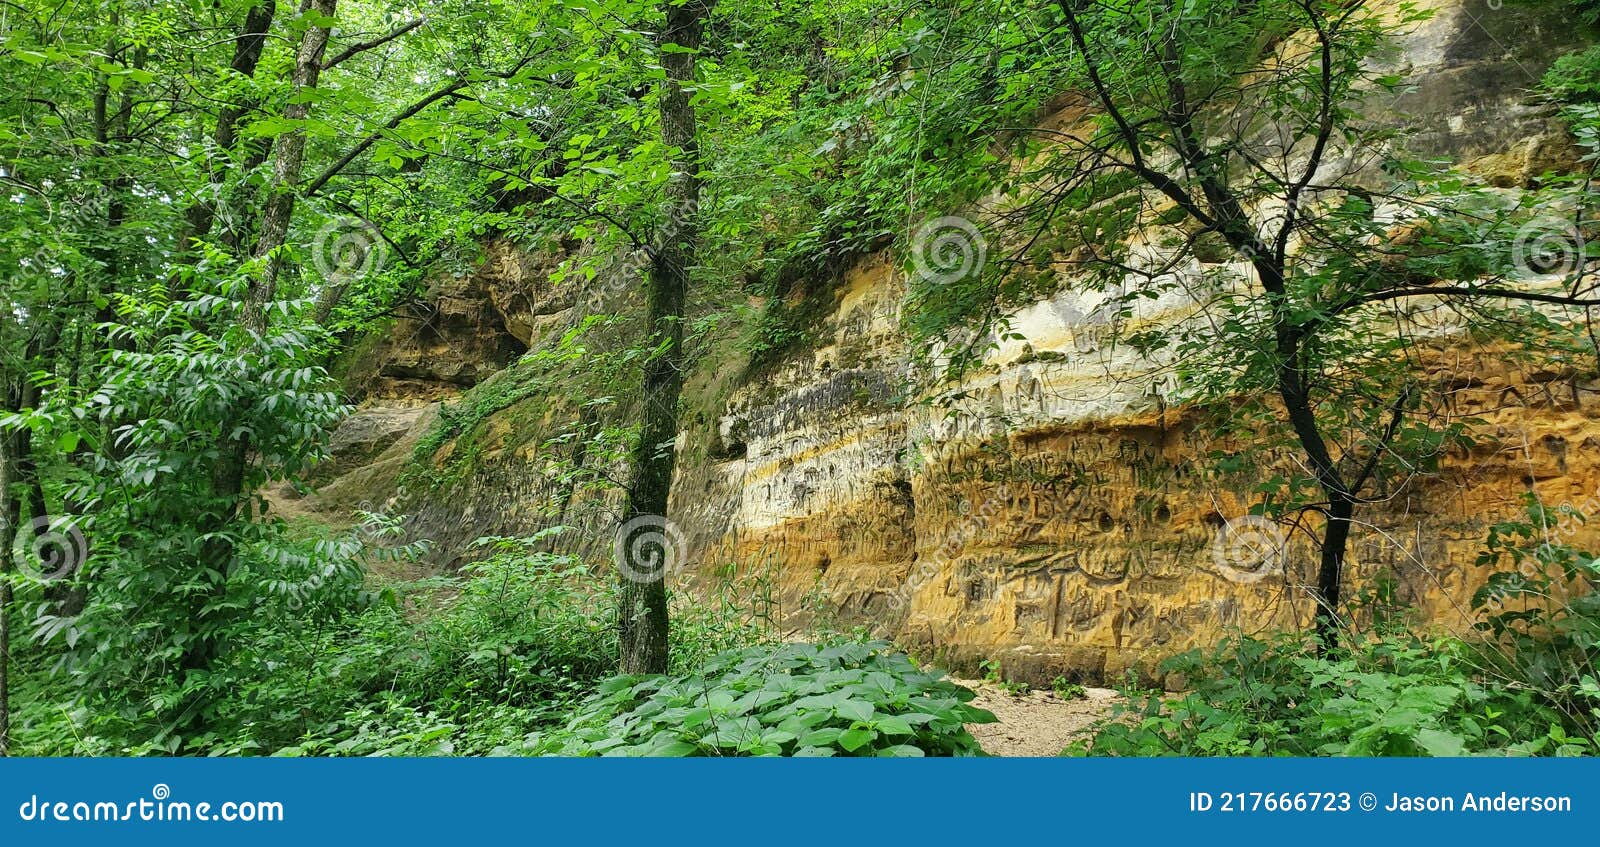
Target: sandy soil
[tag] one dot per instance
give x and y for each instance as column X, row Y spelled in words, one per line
column 1037, row 723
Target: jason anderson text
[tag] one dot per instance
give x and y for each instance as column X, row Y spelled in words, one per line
column 1471, row 802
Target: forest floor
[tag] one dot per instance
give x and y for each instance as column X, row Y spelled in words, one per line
column 1036, row 723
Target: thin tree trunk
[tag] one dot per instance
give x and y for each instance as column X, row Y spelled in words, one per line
column 8, row 520
column 1330, row 573
column 642, row 622
column 1341, row 501
column 202, row 213
column 228, row 474
column 288, row 161
column 17, row 491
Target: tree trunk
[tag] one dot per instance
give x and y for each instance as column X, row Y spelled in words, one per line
column 202, row 213
column 642, row 619
column 1341, row 501
column 228, row 475
column 18, row 487
column 1335, row 540
column 8, row 520
column 288, row 161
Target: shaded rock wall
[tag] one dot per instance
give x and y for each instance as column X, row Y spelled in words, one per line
column 465, row 328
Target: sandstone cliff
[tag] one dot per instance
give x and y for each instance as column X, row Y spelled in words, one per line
column 1057, row 517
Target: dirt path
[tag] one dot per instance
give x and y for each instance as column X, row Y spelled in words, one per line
column 1037, row 723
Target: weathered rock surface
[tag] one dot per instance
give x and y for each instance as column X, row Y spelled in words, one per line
column 464, row 329
column 1061, row 519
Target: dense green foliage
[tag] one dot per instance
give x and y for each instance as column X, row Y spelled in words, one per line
column 206, row 204
column 443, row 665
column 1398, row 696
column 851, row 699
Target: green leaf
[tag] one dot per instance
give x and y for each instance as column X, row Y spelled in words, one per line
column 855, row 710
column 825, row 737
column 1440, row 743
column 893, row 725
column 676, row 748
column 854, row 739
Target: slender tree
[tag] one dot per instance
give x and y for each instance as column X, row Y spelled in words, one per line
column 643, row 620
column 288, row 161
column 230, row 470
column 202, row 212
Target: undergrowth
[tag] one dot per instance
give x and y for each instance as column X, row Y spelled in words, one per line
column 438, row 666
column 1525, row 683
column 1397, row 696
column 847, row 699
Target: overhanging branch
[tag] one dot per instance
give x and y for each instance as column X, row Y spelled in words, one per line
column 381, row 40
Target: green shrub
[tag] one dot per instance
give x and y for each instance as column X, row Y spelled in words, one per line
column 851, row 699
column 1067, row 690
column 1541, row 612
column 1525, row 685
column 447, row 665
column 1397, row 696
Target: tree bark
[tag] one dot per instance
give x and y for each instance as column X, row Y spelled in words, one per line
column 228, row 474
column 202, row 213
column 288, row 161
column 19, row 499
column 642, row 619
column 1330, row 573
column 1341, row 500
column 8, row 520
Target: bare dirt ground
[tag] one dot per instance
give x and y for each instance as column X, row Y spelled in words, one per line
column 1037, row 723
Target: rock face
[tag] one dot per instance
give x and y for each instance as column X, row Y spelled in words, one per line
column 1063, row 520
column 1066, row 523
column 467, row 327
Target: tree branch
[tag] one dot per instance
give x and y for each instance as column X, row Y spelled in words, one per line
column 1397, row 413
column 344, row 161
column 456, row 85
column 376, row 42
column 1462, row 291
